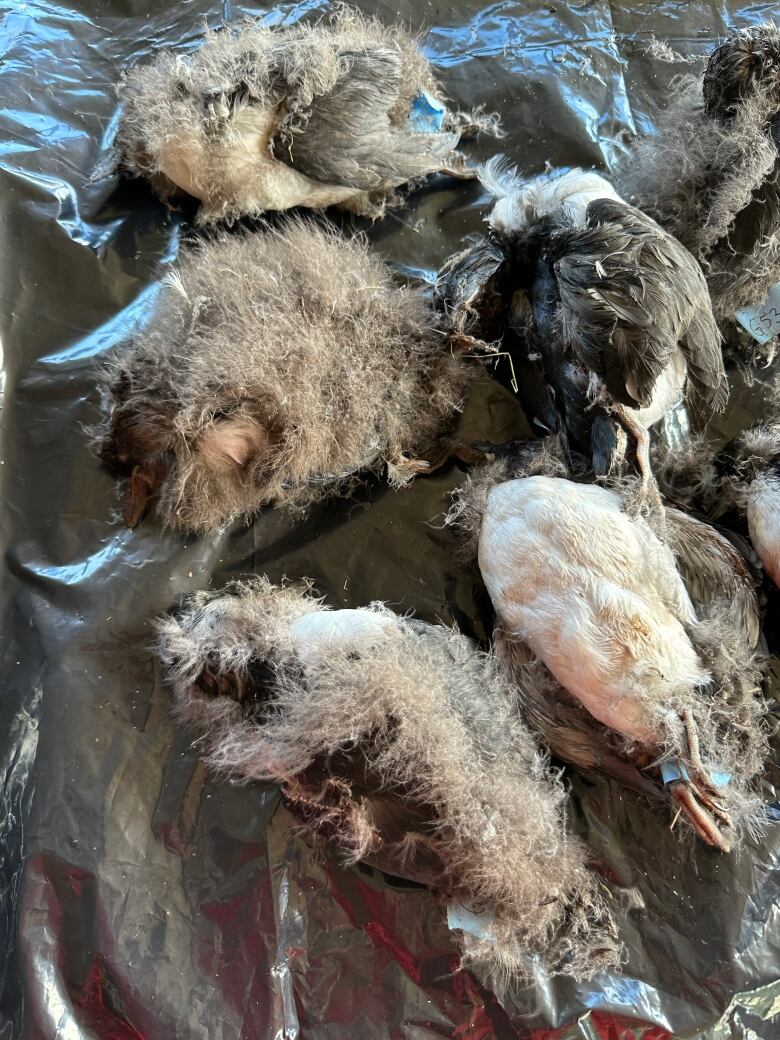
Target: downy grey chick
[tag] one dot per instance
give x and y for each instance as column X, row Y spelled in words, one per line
column 633, row 657
column 711, row 176
column 609, row 308
column 275, row 365
column 398, row 742
column 261, row 117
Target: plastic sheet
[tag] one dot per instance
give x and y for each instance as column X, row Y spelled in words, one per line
column 139, row 898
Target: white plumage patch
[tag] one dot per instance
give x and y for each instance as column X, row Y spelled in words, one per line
column 595, row 595
column 523, row 203
column 328, row 630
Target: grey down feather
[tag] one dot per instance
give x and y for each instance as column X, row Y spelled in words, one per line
column 273, row 368
column 262, row 117
column 404, row 748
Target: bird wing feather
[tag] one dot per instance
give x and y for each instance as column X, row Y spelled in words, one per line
column 631, row 294
column 563, row 725
column 471, row 289
column 348, row 138
column 714, row 571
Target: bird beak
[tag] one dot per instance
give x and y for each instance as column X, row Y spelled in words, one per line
column 140, row 490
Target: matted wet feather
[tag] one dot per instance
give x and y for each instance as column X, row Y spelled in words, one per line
column 709, row 174
column 262, row 117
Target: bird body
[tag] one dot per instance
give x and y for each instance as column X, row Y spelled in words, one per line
column 616, row 310
column 606, row 614
column 711, row 176
column 251, row 178
column 398, row 742
column 752, row 482
column 743, row 476
column 763, row 518
column 633, row 656
column 274, row 367
column 260, row 118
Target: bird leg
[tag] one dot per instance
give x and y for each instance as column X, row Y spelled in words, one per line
column 446, row 449
column 641, row 436
column 707, row 783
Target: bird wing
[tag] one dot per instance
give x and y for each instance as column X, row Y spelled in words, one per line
column 472, row 288
column 562, row 724
column 348, row 138
column 631, row 295
column 714, row 571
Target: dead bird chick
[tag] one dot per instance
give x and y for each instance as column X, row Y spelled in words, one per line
column 616, row 310
column 262, row 117
column 274, row 367
column 616, row 669
column 711, row 176
column 398, row 742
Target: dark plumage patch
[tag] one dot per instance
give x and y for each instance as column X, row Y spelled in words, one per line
column 746, row 63
column 471, row 290
column 711, row 175
column 630, row 296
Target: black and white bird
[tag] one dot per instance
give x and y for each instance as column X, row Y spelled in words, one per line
column 261, row 117
column 615, row 310
column 633, row 657
column 710, row 175
column 399, row 743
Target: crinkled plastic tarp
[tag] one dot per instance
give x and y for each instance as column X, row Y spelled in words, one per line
column 141, row 899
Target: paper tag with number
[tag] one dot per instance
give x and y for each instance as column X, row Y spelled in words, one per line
column 763, row 321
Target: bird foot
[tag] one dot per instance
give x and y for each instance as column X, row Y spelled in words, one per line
column 402, row 469
column 703, row 812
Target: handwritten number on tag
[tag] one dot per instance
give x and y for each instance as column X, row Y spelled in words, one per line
column 763, row 321
column 767, row 321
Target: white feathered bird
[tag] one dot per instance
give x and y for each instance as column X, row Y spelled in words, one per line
column 598, row 598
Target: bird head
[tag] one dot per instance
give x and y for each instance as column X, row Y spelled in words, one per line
column 166, row 464
column 232, row 645
column 745, row 66
column 138, row 445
